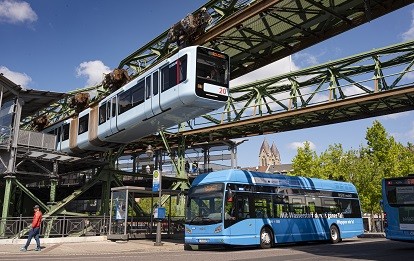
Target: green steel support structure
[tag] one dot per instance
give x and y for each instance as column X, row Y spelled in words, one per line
column 6, row 203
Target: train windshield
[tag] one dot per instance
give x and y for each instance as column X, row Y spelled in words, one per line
column 212, row 67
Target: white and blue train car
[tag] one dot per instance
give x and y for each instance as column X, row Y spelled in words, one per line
column 192, row 82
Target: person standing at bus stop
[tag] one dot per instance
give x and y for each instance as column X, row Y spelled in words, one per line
column 35, row 230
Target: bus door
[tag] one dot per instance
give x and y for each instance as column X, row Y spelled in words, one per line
column 113, row 115
column 148, row 98
column 156, row 94
column 244, row 226
column 317, row 226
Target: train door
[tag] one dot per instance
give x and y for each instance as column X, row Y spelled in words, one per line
column 156, row 94
column 148, row 97
column 113, row 115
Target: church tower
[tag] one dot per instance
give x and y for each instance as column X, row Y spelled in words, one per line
column 268, row 155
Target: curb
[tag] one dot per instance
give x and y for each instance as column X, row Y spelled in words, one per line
column 372, row 235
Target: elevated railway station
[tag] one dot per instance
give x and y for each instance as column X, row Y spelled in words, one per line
column 252, row 34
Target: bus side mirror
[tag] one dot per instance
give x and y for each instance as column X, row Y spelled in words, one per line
column 382, row 204
column 229, row 196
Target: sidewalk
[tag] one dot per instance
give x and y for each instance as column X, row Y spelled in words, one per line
column 89, row 245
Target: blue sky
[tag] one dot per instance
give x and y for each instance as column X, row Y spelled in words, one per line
column 62, row 45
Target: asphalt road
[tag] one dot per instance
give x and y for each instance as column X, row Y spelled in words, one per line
column 354, row 249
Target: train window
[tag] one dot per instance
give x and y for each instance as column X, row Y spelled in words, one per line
column 155, row 83
column 165, row 78
column 58, row 134
column 183, row 68
column 83, row 124
column 125, row 102
column 212, row 68
column 65, row 132
column 173, row 75
column 148, row 87
column 108, row 110
column 113, row 106
column 102, row 113
column 138, row 93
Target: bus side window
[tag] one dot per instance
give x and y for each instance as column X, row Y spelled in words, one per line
column 263, row 206
column 314, row 205
column 243, row 209
column 297, row 205
column 330, row 206
column 279, row 206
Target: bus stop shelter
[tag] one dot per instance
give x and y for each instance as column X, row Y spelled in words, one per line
column 123, row 226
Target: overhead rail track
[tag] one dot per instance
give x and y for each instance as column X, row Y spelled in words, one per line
column 253, row 33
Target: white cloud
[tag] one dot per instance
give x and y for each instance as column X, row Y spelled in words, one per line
column 301, row 144
column 12, row 11
column 93, row 71
column 409, row 34
column 21, row 79
column 305, row 59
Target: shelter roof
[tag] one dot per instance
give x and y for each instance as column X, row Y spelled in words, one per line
column 34, row 100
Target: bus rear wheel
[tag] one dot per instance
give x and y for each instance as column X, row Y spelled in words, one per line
column 334, row 234
column 266, row 238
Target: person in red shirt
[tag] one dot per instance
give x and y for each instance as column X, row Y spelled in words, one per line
column 35, row 230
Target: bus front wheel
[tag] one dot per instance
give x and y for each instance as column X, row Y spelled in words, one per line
column 334, row 234
column 265, row 238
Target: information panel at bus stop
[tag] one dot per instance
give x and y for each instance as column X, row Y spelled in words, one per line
column 156, row 181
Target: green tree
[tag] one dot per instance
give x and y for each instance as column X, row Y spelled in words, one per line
column 305, row 163
column 333, row 163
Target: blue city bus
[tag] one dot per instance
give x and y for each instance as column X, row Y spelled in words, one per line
column 398, row 206
column 244, row 208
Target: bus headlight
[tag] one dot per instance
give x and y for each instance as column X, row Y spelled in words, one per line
column 218, row 229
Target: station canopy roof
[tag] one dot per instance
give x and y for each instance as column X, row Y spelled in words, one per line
column 34, row 100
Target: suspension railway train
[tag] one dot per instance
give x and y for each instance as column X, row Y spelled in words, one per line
column 192, row 82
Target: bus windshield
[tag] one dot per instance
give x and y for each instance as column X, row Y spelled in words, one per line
column 204, row 204
column 212, row 67
column 400, row 192
column 398, row 206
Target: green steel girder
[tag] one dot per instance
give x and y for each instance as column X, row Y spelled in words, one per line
column 334, row 77
column 59, row 207
column 253, row 33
